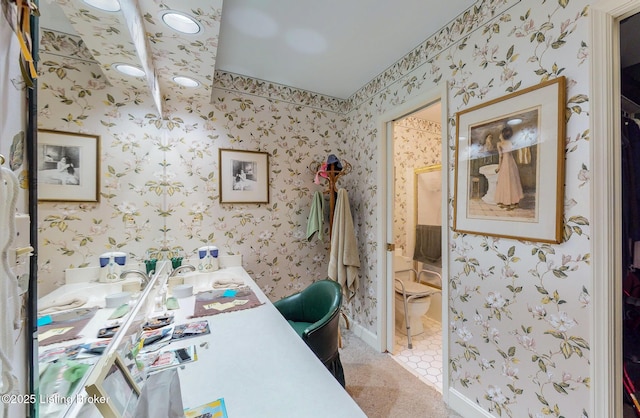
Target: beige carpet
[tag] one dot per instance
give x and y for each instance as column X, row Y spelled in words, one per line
column 385, row 389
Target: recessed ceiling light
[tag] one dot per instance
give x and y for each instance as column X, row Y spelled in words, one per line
column 106, row 5
column 515, row 121
column 181, row 22
column 186, row 81
column 129, row 69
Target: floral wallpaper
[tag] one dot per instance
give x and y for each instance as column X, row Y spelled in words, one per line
column 117, row 37
column 518, row 311
column 518, row 330
column 159, row 177
column 416, row 144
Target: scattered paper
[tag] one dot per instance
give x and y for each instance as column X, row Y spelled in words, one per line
column 53, row 333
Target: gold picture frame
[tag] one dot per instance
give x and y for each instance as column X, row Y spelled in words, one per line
column 243, row 176
column 68, row 166
column 506, row 150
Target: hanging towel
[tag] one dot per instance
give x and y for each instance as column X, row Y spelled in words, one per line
column 316, row 216
column 428, row 247
column 524, row 155
column 344, row 261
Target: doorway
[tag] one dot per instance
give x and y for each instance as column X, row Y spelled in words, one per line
column 417, row 232
column 606, row 189
column 629, row 171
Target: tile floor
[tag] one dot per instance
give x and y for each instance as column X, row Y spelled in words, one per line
column 526, row 209
column 425, row 359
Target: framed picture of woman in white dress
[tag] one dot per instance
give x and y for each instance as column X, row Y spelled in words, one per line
column 68, row 166
column 509, row 165
column 243, row 176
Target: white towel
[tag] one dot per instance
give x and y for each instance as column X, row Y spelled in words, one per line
column 344, row 261
column 64, row 303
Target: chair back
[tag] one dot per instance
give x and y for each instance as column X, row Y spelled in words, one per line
column 321, row 304
column 321, row 298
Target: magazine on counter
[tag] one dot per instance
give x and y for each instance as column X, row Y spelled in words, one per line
column 156, row 335
column 215, row 409
column 72, row 352
column 173, row 358
column 191, row 329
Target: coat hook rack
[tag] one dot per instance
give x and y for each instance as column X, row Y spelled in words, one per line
column 333, row 175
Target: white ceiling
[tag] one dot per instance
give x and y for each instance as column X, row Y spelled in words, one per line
column 332, row 47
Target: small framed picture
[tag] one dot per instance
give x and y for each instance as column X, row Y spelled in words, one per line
column 68, row 166
column 244, row 176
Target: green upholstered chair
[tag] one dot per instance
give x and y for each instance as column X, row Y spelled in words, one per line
column 314, row 314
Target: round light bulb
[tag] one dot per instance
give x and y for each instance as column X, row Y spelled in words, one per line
column 181, row 22
column 128, row 69
column 186, row 81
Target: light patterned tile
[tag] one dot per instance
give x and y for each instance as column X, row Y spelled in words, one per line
column 425, row 359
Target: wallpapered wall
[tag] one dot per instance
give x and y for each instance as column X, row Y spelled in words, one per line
column 416, row 144
column 518, row 311
column 518, row 325
column 160, row 178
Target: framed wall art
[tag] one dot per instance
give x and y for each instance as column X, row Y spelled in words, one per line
column 509, row 165
column 68, row 166
column 244, row 176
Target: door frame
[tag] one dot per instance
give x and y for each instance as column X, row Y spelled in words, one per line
column 606, row 309
column 386, row 292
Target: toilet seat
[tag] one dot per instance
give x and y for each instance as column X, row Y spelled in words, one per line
column 415, row 290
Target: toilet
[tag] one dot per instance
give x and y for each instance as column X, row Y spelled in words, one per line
column 417, row 308
column 418, row 298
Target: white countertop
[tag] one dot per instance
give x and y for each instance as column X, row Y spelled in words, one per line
column 255, row 361
column 259, row 365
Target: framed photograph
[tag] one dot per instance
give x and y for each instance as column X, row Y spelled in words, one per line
column 244, row 176
column 68, row 166
column 113, row 387
column 509, row 165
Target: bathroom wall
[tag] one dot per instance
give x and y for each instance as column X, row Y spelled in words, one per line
column 159, row 177
column 417, row 143
column 519, row 311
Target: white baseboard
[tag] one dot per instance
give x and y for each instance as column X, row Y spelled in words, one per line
column 455, row 400
column 364, row 334
column 465, row 406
